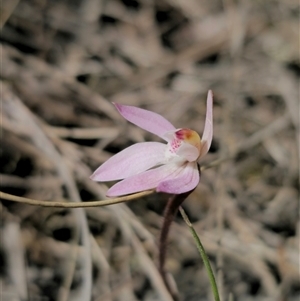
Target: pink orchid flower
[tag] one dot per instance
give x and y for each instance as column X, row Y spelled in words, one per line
column 170, row 168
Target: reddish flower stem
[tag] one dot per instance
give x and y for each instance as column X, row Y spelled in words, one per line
column 170, row 212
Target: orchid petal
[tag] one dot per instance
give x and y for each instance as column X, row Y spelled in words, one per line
column 147, row 120
column 169, row 136
column 132, row 160
column 144, row 181
column 185, row 181
column 208, row 127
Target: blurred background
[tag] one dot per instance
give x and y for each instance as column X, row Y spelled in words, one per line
column 64, row 62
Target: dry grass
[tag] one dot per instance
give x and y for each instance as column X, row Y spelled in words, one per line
column 63, row 62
